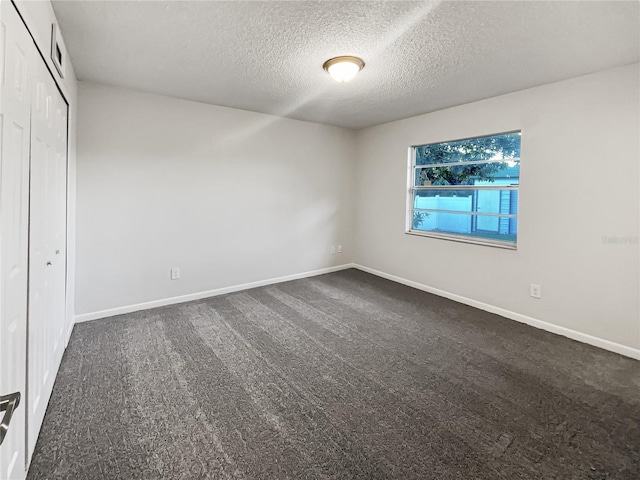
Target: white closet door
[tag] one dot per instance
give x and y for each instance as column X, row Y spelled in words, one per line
column 59, row 232
column 47, row 245
column 17, row 52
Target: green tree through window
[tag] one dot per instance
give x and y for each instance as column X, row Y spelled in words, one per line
column 493, row 147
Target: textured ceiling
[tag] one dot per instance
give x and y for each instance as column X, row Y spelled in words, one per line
column 267, row 56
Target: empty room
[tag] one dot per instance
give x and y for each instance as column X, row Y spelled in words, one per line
column 319, row 240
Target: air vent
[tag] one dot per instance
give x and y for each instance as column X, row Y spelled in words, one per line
column 57, row 49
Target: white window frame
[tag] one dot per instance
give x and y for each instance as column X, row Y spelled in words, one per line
column 411, row 188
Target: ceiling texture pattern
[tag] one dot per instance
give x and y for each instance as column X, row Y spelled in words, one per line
column 267, row 56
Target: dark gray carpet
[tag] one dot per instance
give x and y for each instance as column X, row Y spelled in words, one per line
column 339, row 376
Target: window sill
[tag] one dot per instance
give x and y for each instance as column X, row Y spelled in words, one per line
column 465, row 239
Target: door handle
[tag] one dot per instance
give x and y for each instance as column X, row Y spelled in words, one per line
column 8, row 404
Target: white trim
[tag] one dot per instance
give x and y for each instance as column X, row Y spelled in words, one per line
column 470, row 188
column 549, row 327
column 209, row 293
column 472, row 162
column 466, row 212
column 464, row 239
column 68, row 334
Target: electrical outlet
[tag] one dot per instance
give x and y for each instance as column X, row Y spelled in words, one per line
column 175, row 273
column 339, row 248
column 333, row 249
column 535, row 290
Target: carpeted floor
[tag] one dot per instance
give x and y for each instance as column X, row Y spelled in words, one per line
column 343, row 376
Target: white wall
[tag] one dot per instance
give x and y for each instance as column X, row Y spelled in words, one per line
column 39, row 16
column 580, row 143
column 233, row 197
column 228, row 196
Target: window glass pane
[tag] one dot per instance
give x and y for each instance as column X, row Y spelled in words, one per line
column 470, row 225
column 506, row 145
column 498, row 173
column 479, row 201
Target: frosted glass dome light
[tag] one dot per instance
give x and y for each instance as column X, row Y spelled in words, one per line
column 343, row 69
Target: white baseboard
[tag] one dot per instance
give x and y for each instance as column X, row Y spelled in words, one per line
column 85, row 317
column 549, row 327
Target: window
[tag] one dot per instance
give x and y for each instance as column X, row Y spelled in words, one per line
column 466, row 190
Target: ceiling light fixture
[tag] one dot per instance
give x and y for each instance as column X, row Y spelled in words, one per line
column 343, row 69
